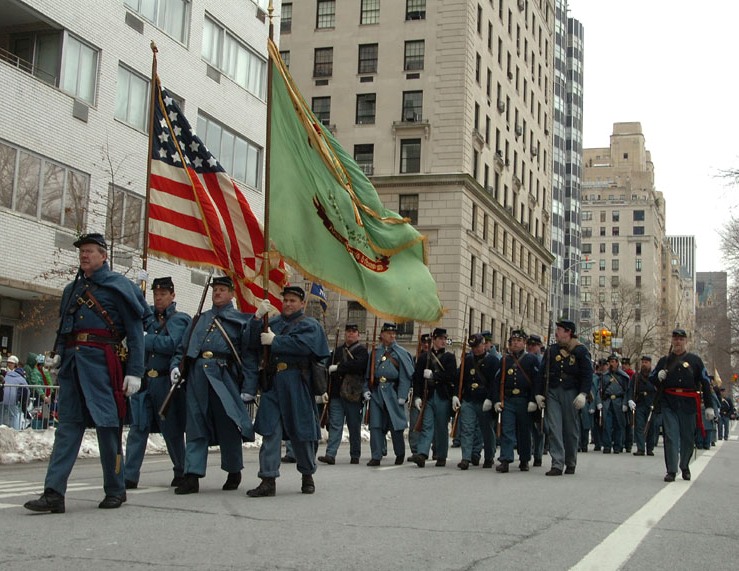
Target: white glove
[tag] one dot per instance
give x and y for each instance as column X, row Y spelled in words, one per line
column 632, row 405
column 662, row 375
column 498, row 407
column 174, row 375
column 324, row 398
column 143, row 276
column 267, row 337
column 54, row 362
column 428, row 374
column 264, row 308
column 540, row 401
column 487, row 405
column 401, row 401
column 624, row 408
column 367, row 395
column 599, row 406
column 246, row 397
column 332, row 368
column 418, row 402
column 131, row 385
column 531, row 407
column 710, row 415
column 455, row 403
column 318, row 399
column 579, row 401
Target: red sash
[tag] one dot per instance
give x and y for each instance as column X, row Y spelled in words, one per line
column 696, row 396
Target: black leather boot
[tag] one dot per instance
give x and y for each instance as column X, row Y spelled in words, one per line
column 190, row 485
column 50, row 502
column 308, row 486
column 233, row 481
column 266, row 488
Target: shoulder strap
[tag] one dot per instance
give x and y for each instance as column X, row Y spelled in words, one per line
column 93, row 303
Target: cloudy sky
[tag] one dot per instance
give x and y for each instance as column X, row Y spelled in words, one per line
column 668, row 65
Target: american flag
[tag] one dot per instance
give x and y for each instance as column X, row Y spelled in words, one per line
column 197, row 213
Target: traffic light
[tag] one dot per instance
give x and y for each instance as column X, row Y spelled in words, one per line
column 734, row 377
column 597, row 337
column 606, row 335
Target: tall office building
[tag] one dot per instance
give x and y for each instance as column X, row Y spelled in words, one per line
column 684, row 247
column 74, row 134
column 567, row 164
column 631, row 284
column 712, row 336
column 447, row 106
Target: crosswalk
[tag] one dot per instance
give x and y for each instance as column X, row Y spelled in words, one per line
column 24, row 490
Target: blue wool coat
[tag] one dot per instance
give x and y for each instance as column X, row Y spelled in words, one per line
column 397, row 387
column 221, row 372
column 290, row 400
column 85, row 392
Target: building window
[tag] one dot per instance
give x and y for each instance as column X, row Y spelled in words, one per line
column 370, row 12
column 125, row 214
column 170, row 16
column 615, row 298
column 602, row 248
column 485, row 224
column 286, row 58
column 601, row 265
column 614, row 281
column 79, row 70
column 637, row 281
column 367, row 58
column 286, row 19
column 323, row 62
column 587, row 248
column 638, row 265
column 132, row 98
column 473, row 267
column 614, row 231
column 408, row 207
column 637, row 314
column 586, row 281
column 415, row 9
column 364, row 155
column 638, row 230
column 586, row 297
column 601, row 297
column 602, row 230
column 615, row 216
column 235, row 59
column 587, row 232
column 614, row 265
column 36, row 186
column 638, row 216
column 412, row 106
column 602, row 215
column 321, row 107
column 638, row 248
column 614, row 249
column 240, row 157
column 326, row 14
column 601, row 281
column 366, row 106
column 414, row 52
column 473, row 224
column 587, row 215
column 410, row 156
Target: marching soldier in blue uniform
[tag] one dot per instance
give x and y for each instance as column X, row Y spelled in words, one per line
column 387, row 394
column 613, row 395
column 681, row 380
column 480, row 368
column 219, row 369
column 412, row 410
column 348, row 365
column 99, row 310
column 434, row 384
column 162, row 336
column 561, row 387
column 513, row 397
column 641, row 398
column 287, row 408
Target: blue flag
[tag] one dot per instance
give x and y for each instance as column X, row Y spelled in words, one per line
column 316, row 290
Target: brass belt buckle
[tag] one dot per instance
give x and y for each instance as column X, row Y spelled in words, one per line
column 152, row 373
column 473, row 386
column 516, row 391
column 207, row 354
column 613, row 397
column 678, row 390
column 382, row 380
column 82, row 336
column 281, row 367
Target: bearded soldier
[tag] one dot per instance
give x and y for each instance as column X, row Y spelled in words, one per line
column 561, row 387
column 641, row 398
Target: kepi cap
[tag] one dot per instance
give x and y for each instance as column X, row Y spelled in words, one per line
column 163, row 283
column 518, row 334
column 475, row 340
column 438, row 332
column 679, row 333
column 568, row 325
column 351, row 327
column 222, row 281
column 94, row 238
column 294, row 290
column 613, row 357
column 646, row 358
column 534, row 340
column 389, row 327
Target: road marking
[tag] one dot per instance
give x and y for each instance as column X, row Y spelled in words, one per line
column 617, row 548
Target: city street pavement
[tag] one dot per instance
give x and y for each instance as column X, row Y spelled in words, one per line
column 615, row 512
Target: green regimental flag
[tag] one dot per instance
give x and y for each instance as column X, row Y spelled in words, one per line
column 327, row 220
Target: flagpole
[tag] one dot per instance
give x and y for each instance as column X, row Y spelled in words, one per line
column 152, row 102
column 267, row 157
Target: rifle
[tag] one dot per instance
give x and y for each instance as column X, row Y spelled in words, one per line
column 501, row 396
column 546, row 375
column 186, row 361
column 324, row 413
column 455, row 422
column 660, row 390
column 371, row 381
column 419, row 421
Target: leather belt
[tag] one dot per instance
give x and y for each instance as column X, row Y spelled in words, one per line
column 212, row 355
column 154, row 373
column 614, row 397
column 282, row 366
column 385, row 380
column 74, row 338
